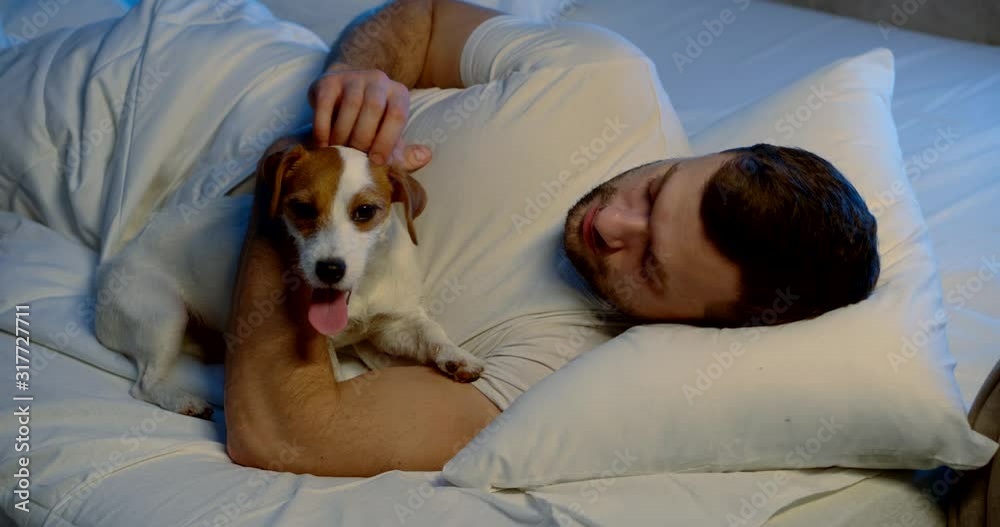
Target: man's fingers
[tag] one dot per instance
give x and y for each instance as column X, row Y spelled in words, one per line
column 348, row 109
column 368, row 121
column 396, row 110
column 412, row 157
column 323, row 99
column 364, row 110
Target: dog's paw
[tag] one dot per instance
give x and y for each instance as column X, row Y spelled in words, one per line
column 460, row 364
column 200, row 410
column 175, row 400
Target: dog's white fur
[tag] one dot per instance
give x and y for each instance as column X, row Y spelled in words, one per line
column 182, row 268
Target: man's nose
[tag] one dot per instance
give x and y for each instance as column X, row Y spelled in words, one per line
column 621, row 227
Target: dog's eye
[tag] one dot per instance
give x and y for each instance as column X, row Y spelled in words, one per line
column 302, row 209
column 364, row 213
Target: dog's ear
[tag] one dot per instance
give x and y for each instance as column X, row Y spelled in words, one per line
column 272, row 170
column 409, row 192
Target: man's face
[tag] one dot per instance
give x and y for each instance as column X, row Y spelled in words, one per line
column 639, row 241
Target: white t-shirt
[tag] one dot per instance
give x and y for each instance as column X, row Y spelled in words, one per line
column 550, row 112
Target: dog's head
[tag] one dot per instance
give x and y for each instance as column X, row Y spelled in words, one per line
column 336, row 205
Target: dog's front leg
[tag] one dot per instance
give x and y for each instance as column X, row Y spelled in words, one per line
column 417, row 337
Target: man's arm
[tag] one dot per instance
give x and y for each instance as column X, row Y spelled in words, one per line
column 412, row 52
column 284, row 410
column 363, row 99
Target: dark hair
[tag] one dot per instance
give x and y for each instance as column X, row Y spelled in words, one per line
column 801, row 235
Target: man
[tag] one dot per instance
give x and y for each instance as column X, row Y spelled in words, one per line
column 712, row 240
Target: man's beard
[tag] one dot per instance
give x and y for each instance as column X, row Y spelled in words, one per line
column 593, row 270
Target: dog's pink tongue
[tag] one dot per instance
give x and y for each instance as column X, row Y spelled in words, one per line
column 328, row 311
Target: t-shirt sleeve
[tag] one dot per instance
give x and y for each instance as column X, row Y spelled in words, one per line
column 507, row 44
column 541, row 348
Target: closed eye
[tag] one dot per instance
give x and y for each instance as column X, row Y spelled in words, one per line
column 649, row 261
column 647, row 256
column 650, row 192
column 651, row 266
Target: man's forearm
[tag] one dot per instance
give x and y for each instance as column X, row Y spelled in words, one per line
column 394, row 38
column 275, row 368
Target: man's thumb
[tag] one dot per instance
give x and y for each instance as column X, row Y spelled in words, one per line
column 415, row 157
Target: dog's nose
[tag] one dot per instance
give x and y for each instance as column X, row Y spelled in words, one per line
column 330, row 271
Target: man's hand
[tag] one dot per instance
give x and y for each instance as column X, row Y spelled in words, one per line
column 363, row 101
column 366, row 110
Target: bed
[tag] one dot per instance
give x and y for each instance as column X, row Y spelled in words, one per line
column 101, row 458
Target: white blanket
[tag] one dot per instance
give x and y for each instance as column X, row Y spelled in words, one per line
column 113, row 118
column 170, row 104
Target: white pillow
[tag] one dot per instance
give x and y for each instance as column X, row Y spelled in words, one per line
column 327, row 19
column 866, row 386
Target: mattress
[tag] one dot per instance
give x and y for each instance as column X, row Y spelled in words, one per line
column 945, row 91
column 947, row 110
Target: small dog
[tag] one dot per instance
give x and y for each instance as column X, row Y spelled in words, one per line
column 352, row 252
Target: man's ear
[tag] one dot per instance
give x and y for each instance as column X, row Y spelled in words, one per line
column 411, row 194
column 272, row 170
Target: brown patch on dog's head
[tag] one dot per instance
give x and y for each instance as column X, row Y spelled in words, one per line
column 273, row 170
column 302, row 185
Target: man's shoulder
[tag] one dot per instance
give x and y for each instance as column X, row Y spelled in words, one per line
column 508, row 45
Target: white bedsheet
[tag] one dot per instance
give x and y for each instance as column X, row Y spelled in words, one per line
column 131, row 463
